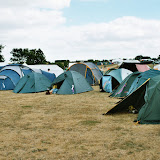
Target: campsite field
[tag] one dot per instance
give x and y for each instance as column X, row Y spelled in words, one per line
column 71, row 127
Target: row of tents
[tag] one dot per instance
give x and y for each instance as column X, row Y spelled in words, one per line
column 30, row 79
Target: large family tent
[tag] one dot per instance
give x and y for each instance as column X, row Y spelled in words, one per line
column 11, row 74
column 51, row 68
column 32, row 83
column 134, row 66
column 89, row 70
column 150, row 111
column 65, row 82
column 113, row 79
column 135, row 100
column 125, row 85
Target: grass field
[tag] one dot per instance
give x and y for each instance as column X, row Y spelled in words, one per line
column 71, row 127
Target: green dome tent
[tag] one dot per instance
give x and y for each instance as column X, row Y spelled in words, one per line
column 71, row 82
column 31, row 83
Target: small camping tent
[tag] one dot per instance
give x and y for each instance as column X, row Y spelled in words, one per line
column 71, row 82
column 31, row 83
column 89, row 70
column 113, row 79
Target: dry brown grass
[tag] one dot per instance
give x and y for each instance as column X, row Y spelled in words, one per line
column 71, row 127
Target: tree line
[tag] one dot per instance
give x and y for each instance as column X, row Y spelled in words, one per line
column 30, row 57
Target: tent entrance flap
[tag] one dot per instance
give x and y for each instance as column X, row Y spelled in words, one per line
column 59, row 84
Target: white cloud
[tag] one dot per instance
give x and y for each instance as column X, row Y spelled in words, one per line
column 50, row 4
column 124, row 37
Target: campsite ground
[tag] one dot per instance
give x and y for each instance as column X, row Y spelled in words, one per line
column 46, row 127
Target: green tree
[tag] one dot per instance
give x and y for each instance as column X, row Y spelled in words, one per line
column 32, row 56
column 62, row 63
column 1, row 56
column 36, row 57
column 19, row 55
column 139, row 57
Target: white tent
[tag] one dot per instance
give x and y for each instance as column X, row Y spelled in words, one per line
column 52, row 68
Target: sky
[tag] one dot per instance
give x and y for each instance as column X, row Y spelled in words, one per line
column 81, row 29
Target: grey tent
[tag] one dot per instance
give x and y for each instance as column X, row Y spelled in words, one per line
column 71, row 82
column 89, row 70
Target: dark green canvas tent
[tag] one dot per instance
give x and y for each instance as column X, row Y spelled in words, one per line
column 67, row 80
column 31, row 83
column 150, row 111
